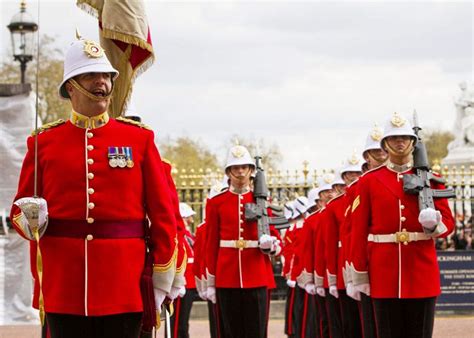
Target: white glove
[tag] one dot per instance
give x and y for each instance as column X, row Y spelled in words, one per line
column 182, row 292
column 333, row 291
column 265, row 242
column 276, row 247
column 203, row 294
column 29, row 216
column 364, row 288
column 429, row 218
column 310, row 288
column 320, row 291
column 211, row 294
column 174, row 292
column 291, row 283
column 351, row 291
column 160, row 296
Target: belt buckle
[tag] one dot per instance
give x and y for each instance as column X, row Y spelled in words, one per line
column 241, row 244
column 402, row 237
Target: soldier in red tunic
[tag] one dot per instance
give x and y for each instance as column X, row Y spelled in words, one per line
column 394, row 256
column 374, row 157
column 188, row 293
column 237, row 266
column 101, row 182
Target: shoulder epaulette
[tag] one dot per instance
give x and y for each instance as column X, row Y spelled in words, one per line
column 133, row 122
column 220, row 193
column 48, row 126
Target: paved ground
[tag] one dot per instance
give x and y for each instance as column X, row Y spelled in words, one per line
column 452, row 327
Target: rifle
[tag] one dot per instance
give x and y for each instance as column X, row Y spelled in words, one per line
column 259, row 211
column 420, row 182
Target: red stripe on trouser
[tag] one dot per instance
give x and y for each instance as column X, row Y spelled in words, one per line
column 290, row 310
column 305, row 313
column 176, row 316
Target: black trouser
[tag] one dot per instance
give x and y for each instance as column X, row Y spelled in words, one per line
column 182, row 310
column 404, row 318
column 212, row 309
column 367, row 317
column 350, row 316
column 124, row 325
column 242, row 312
column 334, row 315
column 305, row 317
column 290, row 327
column 322, row 316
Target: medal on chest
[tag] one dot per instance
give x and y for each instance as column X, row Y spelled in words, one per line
column 120, row 157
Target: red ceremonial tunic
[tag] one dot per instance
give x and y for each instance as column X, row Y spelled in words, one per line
column 288, row 250
column 395, row 270
column 319, row 259
column 233, row 267
column 334, row 250
column 98, row 276
column 351, row 192
column 188, row 273
column 199, row 244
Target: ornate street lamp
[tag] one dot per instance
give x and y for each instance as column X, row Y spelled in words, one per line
column 22, row 29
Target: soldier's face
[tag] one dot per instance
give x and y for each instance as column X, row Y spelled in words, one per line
column 400, row 144
column 376, row 157
column 326, row 195
column 98, row 84
column 240, row 174
column 350, row 176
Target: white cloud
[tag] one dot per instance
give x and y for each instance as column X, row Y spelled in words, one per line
column 311, row 76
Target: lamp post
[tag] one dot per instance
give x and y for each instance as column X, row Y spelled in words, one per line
column 22, row 29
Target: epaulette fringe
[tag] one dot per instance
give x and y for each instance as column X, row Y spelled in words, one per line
column 47, row 126
column 135, row 123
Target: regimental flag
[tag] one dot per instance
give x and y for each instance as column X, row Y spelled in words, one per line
column 125, row 36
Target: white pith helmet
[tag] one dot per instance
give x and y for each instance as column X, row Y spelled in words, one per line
column 398, row 125
column 84, row 56
column 352, row 163
column 313, row 196
column 185, row 210
column 239, row 155
column 301, row 204
column 289, row 210
column 338, row 180
column 325, row 182
column 373, row 139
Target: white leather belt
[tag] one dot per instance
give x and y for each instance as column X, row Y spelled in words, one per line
column 399, row 237
column 238, row 244
column 190, row 259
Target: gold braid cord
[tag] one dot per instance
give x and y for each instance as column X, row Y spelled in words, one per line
column 39, row 270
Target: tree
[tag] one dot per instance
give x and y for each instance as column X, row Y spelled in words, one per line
column 50, row 76
column 436, row 142
column 270, row 154
column 185, row 153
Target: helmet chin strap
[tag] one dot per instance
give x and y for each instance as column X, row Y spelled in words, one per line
column 394, row 152
column 375, row 159
column 90, row 95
